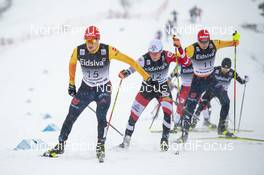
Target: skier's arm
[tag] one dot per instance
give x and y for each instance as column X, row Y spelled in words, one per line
column 183, row 56
column 127, row 72
column 222, row 44
column 116, row 54
column 140, row 61
column 172, row 57
column 241, row 80
column 72, row 67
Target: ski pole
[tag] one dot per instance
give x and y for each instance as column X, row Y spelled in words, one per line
column 113, row 108
column 235, row 38
column 155, row 109
column 108, row 123
column 177, row 68
column 155, row 116
column 193, row 115
column 241, row 109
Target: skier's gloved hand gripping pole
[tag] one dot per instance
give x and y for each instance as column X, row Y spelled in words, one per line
column 72, row 90
column 236, row 37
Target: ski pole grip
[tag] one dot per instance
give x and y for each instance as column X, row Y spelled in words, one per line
column 236, row 36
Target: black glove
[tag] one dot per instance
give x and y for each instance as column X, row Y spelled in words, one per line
column 246, row 79
column 154, row 84
column 174, row 74
column 123, row 74
column 72, row 90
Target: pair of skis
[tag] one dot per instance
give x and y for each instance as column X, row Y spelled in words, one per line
column 232, row 138
column 196, row 130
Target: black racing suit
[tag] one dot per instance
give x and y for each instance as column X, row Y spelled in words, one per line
column 224, row 80
column 95, row 86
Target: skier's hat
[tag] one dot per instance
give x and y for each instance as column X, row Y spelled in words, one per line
column 203, row 36
column 155, row 46
column 91, row 33
column 226, row 63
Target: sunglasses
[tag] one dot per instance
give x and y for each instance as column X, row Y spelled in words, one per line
column 90, row 41
column 154, row 53
column 204, row 42
column 225, row 69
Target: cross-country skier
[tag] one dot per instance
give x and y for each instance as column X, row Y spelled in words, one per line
column 202, row 55
column 186, row 75
column 156, row 62
column 94, row 58
column 224, row 74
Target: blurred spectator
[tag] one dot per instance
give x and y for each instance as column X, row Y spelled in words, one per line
column 158, row 35
column 195, row 13
column 174, row 17
column 261, row 7
column 168, row 29
column 5, row 6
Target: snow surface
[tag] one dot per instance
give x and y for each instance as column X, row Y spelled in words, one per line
column 34, row 81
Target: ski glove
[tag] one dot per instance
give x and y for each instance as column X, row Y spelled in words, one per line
column 174, row 73
column 176, row 42
column 236, row 38
column 246, row 79
column 72, row 90
column 154, row 84
column 123, row 74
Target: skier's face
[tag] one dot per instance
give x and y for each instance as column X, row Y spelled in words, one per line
column 225, row 70
column 92, row 45
column 155, row 56
column 203, row 44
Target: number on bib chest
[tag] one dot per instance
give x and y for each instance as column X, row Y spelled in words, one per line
column 94, row 74
column 208, row 63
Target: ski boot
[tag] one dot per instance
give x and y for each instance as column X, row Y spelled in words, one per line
column 194, row 123
column 100, row 152
column 183, row 138
column 58, row 149
column 126, row 142
column 223, row 131
column 164, row 144
column 208, row 124
column 185, row 131
column 177, row 126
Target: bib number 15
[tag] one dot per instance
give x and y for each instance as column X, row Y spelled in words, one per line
column 94, row 74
